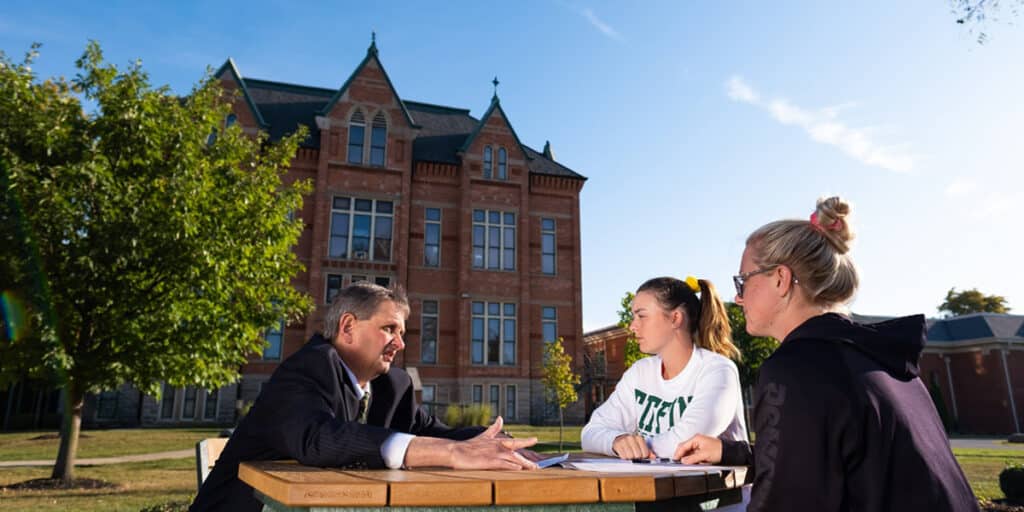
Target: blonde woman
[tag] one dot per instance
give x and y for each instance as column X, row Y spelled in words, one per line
column 689, row 386
column 843, row 421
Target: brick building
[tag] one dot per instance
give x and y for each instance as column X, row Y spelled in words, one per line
column 973, row 364
column 482, row 230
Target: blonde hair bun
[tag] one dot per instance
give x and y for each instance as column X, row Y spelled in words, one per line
column 830, row 217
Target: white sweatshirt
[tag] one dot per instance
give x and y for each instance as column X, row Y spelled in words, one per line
column 704, row 398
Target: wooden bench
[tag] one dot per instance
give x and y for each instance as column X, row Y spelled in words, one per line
column 207, row 453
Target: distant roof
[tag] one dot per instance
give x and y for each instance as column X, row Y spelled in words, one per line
column 976, row 326
column 443, row 130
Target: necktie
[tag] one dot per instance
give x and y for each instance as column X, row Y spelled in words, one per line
column 364, row 407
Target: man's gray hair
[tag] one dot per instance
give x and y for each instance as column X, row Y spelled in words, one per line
column 362, row 300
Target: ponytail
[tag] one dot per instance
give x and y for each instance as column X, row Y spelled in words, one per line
column 713, row 331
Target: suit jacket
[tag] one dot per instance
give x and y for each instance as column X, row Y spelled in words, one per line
column 307, row 411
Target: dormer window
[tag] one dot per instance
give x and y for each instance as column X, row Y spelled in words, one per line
column 356, row 135
column 378, row 139
column 502, row 164
column 488, row 161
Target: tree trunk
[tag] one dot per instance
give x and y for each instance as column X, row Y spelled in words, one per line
column 561, row 426
column 64, row 469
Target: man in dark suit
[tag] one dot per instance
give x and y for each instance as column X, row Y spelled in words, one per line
column 337, row 402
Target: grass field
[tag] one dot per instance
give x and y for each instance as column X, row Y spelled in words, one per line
column 144, row 484
column 102, row 443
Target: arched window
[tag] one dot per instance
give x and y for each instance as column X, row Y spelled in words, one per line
column 378, row 139
column 356, row 136
column 231, row 120
column 502, row 164
column 488, row 161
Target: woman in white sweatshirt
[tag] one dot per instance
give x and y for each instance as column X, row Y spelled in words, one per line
column 688, row 386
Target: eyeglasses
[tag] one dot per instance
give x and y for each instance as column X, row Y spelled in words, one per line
column 741, row 279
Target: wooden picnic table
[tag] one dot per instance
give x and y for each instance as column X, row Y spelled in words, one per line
column 285, row 486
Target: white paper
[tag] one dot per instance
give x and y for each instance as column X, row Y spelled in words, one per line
column 627, row 466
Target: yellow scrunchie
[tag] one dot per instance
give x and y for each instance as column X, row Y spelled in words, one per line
column 693, row 284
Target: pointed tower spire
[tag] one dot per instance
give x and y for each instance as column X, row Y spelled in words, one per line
column 550, row 155
column 372, row 50
column 495, row 82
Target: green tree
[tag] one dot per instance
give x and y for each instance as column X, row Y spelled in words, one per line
column 136, row 246
column 632, row 352
column 559, row 380
column 975, row 14
column 755, row 349
column 972, row 301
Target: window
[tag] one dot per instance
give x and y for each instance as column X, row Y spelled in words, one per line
column 212, row 137
column 333, row 287
column 188, row 409
column 494, row 240
column 106, row 405
column 432, row 237
column 230, row 121
column 167, row 402
column 488, row 162
column 510, row 402
column 382, row 281
column 211, row 403
column 429, row 397
column 428, row 334
column 495, row 400
column 274, row 337
column 547, row 246
column 356, row 134
column 378, row 139
column 361, row 229
column 494, row 333
column 502, row 164
column 549, row 323
column 478, row 394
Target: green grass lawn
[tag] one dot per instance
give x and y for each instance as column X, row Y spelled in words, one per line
column 982, row 468
column 145, row 484
column 102, row 443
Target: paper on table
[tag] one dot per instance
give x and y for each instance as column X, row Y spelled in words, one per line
column 626, row 466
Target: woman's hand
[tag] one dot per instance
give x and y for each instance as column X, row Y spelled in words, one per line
column 699, row 449
column 631, row 446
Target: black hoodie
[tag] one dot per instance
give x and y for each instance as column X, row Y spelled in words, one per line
column 843, row 423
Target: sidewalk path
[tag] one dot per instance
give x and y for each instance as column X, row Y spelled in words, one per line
column 177, row 454
column 989, row 444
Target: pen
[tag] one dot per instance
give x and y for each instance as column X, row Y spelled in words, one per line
column 664, row 460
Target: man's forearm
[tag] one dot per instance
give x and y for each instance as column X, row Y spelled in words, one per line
column 429, row 452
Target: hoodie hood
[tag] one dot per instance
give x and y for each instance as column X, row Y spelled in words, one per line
column 896, row 344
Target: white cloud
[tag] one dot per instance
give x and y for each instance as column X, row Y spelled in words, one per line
column 824, row 126
column 739, row 90
column 960, row 187
column 600, row 25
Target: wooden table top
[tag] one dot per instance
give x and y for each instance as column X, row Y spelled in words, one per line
column 292, row 484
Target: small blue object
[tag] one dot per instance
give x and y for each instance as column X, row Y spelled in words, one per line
column 552, row 461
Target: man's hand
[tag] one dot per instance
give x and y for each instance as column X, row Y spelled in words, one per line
column 485, row 451
column 699, row 449
column 631, row 446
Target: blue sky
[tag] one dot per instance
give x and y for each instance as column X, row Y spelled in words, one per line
column 696, row 123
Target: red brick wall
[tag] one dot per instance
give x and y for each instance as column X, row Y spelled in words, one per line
column 981, row 392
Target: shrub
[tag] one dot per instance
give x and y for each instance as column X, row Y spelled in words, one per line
column 467, row 415
column 1011, row 481
column 453, row 415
